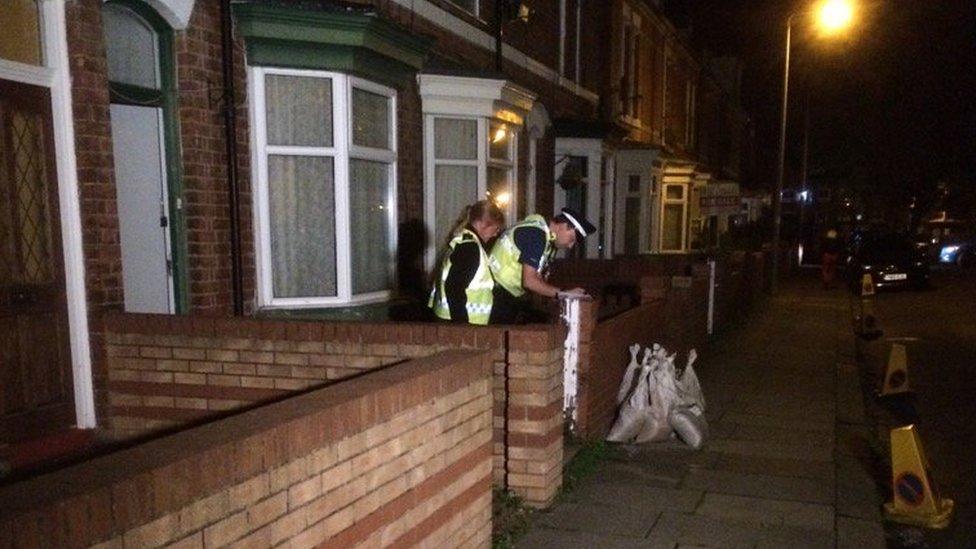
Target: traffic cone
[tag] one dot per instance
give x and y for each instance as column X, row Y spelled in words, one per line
column 896, row 372
column 867, row 285
column 915, row 498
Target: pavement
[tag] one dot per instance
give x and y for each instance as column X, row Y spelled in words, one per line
column 787, row 463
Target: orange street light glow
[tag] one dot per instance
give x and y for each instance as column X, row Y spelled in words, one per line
column 835, row 15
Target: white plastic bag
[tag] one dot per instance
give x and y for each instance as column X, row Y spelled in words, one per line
column 690, row 425
column 655, row 425
column 630, row 418
column 627, row 384
column 689, row 389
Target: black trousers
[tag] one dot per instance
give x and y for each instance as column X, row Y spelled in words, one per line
column 508, row 309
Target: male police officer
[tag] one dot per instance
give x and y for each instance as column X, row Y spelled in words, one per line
column 521, row 256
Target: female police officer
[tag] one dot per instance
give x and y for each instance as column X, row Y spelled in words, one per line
column 462, row 291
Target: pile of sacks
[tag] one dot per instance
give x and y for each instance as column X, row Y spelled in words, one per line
column 655, row 403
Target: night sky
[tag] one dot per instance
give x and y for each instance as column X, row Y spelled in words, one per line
column 892, row 106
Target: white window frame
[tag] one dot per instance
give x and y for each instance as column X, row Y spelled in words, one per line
column 342, row 152
column 665, row 201
column 482, row 99
column 510, row 165
column 483, row 162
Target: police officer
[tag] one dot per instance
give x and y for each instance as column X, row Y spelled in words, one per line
column 522, row 254
column 462, row 291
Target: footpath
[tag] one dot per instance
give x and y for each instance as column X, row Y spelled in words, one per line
column 787, row 461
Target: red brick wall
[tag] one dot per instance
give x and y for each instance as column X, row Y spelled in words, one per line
column 205, row 174
column 160, row 373
column 205, row 189
column 397, row 457
column 604, row 356
column 93, row 142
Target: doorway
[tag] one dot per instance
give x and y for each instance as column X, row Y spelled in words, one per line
column 36, row 387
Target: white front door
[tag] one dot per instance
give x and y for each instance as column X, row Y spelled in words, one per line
column 140, row 182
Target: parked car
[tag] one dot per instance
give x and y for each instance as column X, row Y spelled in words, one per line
column 949, row 242
column 892, row 260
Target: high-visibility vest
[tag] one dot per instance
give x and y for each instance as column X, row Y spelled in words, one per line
column 504, row 259
column 478, row 293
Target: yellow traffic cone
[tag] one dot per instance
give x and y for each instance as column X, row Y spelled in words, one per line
column 867, row 285
column 896, row 372
column 915, row 498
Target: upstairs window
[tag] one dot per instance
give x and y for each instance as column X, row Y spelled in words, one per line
column 325, row 162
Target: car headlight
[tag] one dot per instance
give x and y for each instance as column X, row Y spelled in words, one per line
column 948, row 254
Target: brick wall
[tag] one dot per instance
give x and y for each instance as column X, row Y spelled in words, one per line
column 166, row 372
column 93, row 142
column 397, row 457
column 205, row 174
column 604, row 355
column 674, row 315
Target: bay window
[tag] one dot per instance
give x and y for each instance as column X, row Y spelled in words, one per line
column 471, row 130
column 325, row 169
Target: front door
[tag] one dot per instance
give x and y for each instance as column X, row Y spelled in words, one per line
column 36, row 392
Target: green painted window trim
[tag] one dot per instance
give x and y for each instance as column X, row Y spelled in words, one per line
column 166, row 98
column 353, row 43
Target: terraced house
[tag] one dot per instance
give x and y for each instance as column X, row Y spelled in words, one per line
column 214, row 211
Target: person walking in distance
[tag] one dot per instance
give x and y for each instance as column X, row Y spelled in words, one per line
column 520, row 259
column 462, row 291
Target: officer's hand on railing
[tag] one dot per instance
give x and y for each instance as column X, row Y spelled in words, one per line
column 575, row 293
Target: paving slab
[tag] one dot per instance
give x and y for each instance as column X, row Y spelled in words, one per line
column 683, row 528
column 822, row 425
column 762, row 486
column 772, row 449
column 603, row 519
column 767, row 513
column 546, row 538
column 855, row 533
column 822, row 471
column 648, row 497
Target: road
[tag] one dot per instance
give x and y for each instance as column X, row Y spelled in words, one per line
column 938, row 327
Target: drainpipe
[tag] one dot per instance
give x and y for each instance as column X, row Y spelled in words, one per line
column 230, row 137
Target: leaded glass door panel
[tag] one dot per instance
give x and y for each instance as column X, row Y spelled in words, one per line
column 36, row 393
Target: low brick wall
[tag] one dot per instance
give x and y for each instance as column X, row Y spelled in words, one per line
column 167, row 372
column 400, row 456
column 604, row 356
column 673, row 312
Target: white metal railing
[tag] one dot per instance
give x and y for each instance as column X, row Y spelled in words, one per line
column 570, row 314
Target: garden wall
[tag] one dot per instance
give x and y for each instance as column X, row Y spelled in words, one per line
column 400, row 456
column 164, row 373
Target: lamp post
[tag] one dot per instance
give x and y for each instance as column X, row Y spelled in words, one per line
column 833, row 16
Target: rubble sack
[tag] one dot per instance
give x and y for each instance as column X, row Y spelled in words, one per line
column 655, row 403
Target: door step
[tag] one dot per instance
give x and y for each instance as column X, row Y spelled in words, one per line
column 40, row 452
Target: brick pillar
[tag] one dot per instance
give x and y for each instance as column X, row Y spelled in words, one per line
column 534, row 439
column 589, row 314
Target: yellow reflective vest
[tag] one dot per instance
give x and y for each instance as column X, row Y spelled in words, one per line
column 504, row 259
column 478, row 292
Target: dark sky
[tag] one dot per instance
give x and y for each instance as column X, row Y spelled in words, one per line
column 892, row 106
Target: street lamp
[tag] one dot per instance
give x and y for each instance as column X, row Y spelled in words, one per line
column 832, row 17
